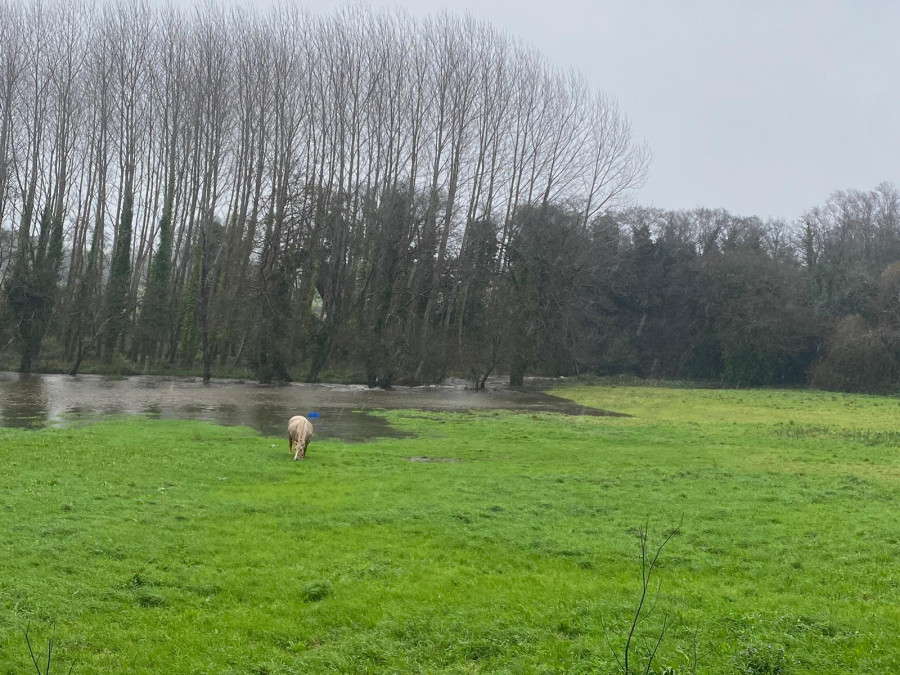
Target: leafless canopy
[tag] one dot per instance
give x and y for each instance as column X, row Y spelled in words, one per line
column 245, row 132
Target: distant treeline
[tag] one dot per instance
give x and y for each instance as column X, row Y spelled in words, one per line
column 707, row 295
column 404, row 199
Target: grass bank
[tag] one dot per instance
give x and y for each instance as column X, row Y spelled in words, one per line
column 188, row 548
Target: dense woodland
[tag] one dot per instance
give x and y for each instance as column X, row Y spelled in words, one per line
column 395, row 199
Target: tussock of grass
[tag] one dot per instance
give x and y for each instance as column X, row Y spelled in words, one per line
column 184, row 547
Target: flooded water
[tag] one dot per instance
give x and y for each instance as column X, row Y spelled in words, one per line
column 36, row 401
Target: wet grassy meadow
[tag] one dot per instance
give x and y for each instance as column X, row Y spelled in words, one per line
column 477, row 541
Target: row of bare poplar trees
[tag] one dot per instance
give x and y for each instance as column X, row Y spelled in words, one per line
column 282, row 189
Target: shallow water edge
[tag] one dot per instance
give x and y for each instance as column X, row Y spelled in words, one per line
column 36, row 401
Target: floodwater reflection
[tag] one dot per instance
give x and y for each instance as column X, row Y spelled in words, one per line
column 23, row 403
column 35, row 401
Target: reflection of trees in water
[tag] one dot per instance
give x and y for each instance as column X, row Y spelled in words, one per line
column 339, row 422
column 24, row 402
column 38, row 400
column 268, row 418
column 153, row 410
column 228, row 414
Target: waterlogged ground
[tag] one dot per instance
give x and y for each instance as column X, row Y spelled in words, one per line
column 485, row 541
column 36, row 401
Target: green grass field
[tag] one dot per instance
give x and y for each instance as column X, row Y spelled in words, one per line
column 180, row 547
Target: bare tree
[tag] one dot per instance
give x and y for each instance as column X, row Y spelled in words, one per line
column 279, row 184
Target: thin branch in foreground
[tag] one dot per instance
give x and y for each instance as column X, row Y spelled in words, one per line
column 33, row 656
column 647, row 566
column 31, row 651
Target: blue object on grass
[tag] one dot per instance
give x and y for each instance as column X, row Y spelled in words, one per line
column 314, row 415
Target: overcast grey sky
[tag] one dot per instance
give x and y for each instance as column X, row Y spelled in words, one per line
column 761, row 107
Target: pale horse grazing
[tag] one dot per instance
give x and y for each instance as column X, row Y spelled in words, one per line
column 300, row 433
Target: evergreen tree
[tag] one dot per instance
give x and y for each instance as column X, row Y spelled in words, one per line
column 119, row 278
